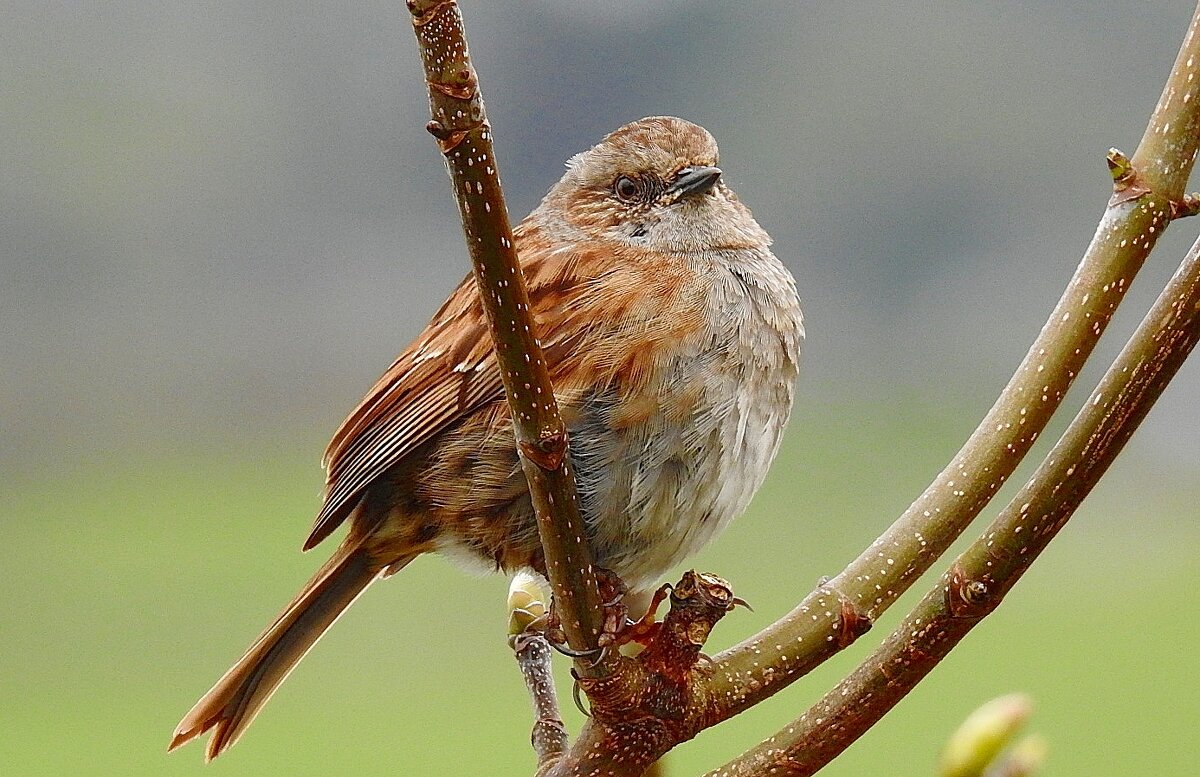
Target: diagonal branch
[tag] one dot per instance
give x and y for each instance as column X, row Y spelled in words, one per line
column 461, row 128
column 978, row 580
column 1167, row 150
column 1143, row 203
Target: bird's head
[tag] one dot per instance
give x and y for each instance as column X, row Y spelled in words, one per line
column 655, row 184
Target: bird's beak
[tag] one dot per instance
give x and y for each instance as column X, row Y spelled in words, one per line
column 694, row 179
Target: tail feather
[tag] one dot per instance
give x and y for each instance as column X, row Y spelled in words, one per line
column 230, row 706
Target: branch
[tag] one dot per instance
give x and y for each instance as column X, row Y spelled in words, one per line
column 643, row 706
column 830, row 618
column 1167, row 151
column 649, row 703
column 464, row 137
column 979, row 579
column 533, row 654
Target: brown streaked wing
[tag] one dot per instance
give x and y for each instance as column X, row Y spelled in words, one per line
column 403, row 375
column 420, row 394
column 447, row 373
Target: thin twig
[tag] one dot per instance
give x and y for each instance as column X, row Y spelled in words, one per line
column 527, row 612
column 549, row 735
column 977, row 582
column 461, row 128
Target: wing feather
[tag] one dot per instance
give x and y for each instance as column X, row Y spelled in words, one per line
column 419, row 395
column 450, row 370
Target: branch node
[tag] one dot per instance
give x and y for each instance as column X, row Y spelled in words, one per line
column 423, row 17
column 1189, row 205
column 853, row 622
column 698, row 601
column 968, row 597
column 464, row 91
column 548, row 450
column 546, row 728
column 1127, row 182
column 447, row 139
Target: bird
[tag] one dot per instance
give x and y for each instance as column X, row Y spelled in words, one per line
column 672, row 335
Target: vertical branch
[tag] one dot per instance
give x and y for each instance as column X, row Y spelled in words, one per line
column 549, row 736
column 464, row 137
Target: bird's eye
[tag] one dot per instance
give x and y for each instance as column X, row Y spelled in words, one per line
column 627, row 189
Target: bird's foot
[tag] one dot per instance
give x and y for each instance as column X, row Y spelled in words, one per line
column 646, row 628
column 617, row 628
column 612, row 601
column 550, row 627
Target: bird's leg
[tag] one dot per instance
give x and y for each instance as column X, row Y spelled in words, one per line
column 616, row 612
column 645, row 629
column 615, row 629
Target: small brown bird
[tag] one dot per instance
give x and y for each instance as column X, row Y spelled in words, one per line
column 672, row 334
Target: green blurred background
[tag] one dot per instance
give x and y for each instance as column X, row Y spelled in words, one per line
column 219, row 221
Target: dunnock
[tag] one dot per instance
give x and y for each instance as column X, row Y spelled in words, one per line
column 672, row 334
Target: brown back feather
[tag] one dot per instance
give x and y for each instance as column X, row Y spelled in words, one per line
column 450, row 370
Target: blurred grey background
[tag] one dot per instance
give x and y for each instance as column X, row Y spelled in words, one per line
column 219, row 221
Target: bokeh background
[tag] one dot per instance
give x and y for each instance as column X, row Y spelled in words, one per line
column 220, row 220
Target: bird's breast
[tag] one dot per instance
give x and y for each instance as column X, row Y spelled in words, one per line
column 662, row 470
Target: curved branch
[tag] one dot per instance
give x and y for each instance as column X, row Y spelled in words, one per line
column 1147, row 194
column 978, row 580
column 816, row 629
column 1143, row 203
column 461, row 128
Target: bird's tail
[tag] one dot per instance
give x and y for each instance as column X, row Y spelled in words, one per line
column 238, row 696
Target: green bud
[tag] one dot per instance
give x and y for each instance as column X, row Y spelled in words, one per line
column 982, row 736
column 526, row 602
column 1025, row 758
